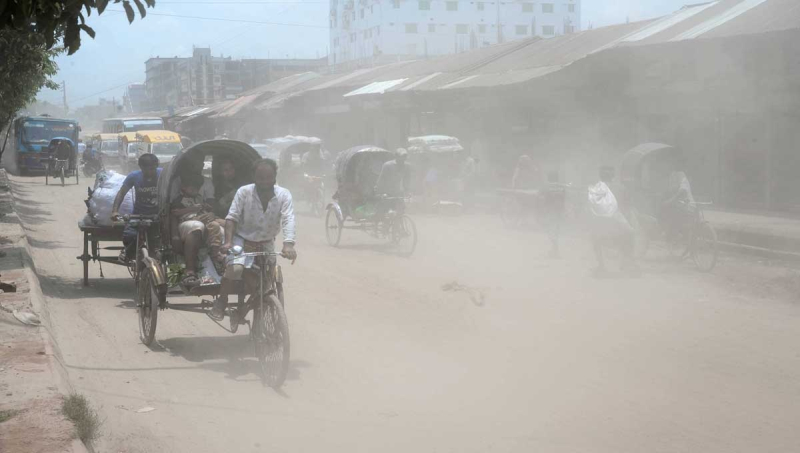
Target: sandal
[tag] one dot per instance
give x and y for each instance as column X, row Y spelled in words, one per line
column 190, row 280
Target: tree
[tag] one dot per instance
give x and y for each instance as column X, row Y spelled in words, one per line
column 56, row 19
column 28, row 65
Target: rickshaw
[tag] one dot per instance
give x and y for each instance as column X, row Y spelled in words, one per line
column 61, row 168
column 158, row 263
column 645, row 175
column 356, row 207
column 296, row 159
column 437, row 156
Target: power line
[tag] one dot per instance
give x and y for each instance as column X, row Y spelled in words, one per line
column 244, row 21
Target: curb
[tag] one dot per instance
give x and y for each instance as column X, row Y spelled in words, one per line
column 37, row 300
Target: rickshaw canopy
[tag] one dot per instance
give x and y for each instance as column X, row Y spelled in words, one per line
column 634, row 160
column 292, row 143
column 55, row 141
column 434, row 144
column 241, row 154
column 359, row 163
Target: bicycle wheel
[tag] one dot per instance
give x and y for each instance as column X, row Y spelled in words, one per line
column 271, row 340
column 147, row 302
column 333, row 227
column 705, row 250
column 404, row 235
column 679, row 244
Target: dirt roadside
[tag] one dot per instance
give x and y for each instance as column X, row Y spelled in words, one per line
column 32, row 380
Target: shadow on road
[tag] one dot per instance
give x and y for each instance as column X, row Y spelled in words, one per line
column 236, row 349
column 72, row 288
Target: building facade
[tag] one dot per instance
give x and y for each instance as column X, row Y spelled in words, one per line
column 373, row 29
column 205, row 79
column 135, row 99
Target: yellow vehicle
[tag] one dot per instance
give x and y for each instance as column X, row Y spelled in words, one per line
column 107, row 144
column 164, row 144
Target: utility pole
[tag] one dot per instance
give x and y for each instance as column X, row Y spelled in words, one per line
column 64, row 92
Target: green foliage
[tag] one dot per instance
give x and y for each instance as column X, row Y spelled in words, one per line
column 56, row 19
column 27, row 67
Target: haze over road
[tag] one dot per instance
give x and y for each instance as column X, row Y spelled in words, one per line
column 384, row 360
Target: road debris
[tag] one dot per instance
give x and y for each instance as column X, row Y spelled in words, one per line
column 476, row 295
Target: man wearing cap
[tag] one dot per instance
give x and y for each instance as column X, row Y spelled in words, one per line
column 395, row 176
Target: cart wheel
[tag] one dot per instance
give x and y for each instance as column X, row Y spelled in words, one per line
column 404, row 235
column 270, row 336
column 705, row 250
column 148, row 298
column 333, row 227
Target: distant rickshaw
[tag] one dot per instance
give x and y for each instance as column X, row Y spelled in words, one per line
column 63, row 161
column 647, row 171
column 356, row 206
column 304, row 164
column 438, row 160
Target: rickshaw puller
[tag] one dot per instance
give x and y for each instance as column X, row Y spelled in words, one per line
column 145, row 185
column 258, row 213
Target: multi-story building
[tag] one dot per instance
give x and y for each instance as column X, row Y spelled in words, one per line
column 204, row 79
column 135, row 99
column 369, row 29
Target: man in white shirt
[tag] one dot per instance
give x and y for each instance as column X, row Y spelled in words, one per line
column 258, row 213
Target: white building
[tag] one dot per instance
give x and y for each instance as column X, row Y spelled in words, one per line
column 368, row 29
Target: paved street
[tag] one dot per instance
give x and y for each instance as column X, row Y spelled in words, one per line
column 539, row 356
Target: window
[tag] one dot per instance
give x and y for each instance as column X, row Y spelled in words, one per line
column 480, row 6
column 571, row 8
column 395, row 4
column 452, row 6
column 482, row 28
column 411, row 28
column 424, row 5
column 378, row 30
column 362, row 13
column 352, row 37
column 548, row 8
column 431, row 28
column 462, row 29
column 527, row 7
column 522, row 29
column 548, row 30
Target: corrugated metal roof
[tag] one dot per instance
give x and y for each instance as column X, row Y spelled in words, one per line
column 376, row 87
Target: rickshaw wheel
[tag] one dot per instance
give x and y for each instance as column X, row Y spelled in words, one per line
column 705, row 251
column 333, row 227
column 271, row 340
column 62, row 176
column 678, row 245
column 147, row 302
column 404, row 235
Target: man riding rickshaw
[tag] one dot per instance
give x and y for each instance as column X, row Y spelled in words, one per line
column 662, row 205
column 372, row 186
column 63, row 159
column 258, row 212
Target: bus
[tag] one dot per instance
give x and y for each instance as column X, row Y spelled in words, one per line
column 119, row 125
column 32, row 135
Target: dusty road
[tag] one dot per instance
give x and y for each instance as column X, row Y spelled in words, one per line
column 384, row 360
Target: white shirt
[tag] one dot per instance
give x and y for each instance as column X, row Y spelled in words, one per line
column 206, row 190
column 255, row 224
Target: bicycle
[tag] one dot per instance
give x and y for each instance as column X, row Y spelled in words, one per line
column 269, row 331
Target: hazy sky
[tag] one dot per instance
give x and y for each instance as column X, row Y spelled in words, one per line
column 103, row 66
